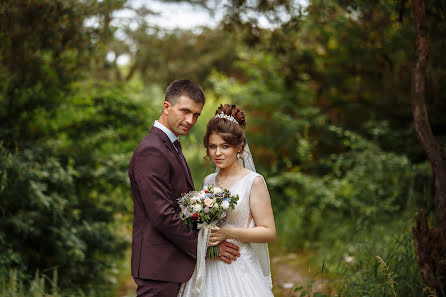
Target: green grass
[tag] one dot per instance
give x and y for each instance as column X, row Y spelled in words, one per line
column 39, row 286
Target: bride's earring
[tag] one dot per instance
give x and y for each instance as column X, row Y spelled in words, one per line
column 239, row 155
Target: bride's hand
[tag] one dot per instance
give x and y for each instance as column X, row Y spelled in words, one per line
column 219, row 235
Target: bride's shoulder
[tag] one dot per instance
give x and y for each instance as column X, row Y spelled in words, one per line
column 253, row 178
column 257, row 179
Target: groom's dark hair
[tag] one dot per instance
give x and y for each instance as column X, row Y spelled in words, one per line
column 184, row 87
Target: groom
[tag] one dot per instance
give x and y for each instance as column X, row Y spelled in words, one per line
column 163, row 247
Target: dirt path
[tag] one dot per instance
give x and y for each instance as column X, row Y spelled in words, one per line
column 289, row 272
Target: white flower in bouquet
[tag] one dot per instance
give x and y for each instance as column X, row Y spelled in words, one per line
column 216, row 190
column 197, row 207
column 202, row 195
column 195, row 198
column 225, row 204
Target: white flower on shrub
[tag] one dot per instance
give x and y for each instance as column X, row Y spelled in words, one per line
column 349, row 259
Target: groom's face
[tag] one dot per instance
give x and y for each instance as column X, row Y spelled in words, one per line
column 182, row 115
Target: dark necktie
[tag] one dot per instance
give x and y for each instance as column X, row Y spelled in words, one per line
column 177, row 144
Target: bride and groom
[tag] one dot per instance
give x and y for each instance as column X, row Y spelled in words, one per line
column 164, row 248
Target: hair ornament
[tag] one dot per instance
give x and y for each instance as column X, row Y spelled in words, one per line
column 222, row 115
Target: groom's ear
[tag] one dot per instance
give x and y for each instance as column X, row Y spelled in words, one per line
column 166, row 106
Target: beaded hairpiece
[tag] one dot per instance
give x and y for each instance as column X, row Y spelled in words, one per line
column 222, row 115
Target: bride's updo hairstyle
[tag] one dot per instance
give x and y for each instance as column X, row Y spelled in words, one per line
column 232, row 133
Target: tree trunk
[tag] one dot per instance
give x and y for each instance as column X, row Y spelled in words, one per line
column 430, row 243
column 132, row 69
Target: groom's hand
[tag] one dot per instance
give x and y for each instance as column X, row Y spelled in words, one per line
column 228, row 252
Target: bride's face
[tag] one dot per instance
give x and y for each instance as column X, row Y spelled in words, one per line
column 221, row 153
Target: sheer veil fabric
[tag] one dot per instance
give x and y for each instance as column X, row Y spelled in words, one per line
column 260, row 249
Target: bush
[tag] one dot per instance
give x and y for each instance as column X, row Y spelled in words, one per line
column 65, row 196
column 365, row 186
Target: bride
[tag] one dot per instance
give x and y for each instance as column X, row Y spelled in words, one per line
column 250, row 225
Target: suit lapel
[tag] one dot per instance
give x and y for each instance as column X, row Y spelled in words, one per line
column 170, row 146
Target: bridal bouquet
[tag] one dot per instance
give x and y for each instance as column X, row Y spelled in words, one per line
column 204, row 208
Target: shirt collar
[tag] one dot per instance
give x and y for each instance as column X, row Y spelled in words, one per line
column 169, row 133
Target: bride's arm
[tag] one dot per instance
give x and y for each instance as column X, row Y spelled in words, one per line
column 262, row 213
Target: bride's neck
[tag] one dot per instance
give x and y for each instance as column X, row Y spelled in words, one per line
column 232, row 170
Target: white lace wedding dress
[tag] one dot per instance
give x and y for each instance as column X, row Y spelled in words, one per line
column 243, row 277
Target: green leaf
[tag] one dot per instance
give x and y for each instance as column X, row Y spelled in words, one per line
column 298, row 289
column 310, row 283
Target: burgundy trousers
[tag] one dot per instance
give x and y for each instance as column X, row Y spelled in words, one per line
column 154, row 288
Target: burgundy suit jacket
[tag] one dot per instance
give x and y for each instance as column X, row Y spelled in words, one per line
column 163, row 247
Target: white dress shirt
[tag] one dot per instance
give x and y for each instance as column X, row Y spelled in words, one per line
column 166, row 130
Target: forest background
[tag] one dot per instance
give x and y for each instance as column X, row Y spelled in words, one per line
column 326, row 86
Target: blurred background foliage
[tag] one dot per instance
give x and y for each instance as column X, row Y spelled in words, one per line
column 326, row 90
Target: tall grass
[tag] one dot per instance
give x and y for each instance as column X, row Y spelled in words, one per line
column 40, row 286
column 13, row 285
